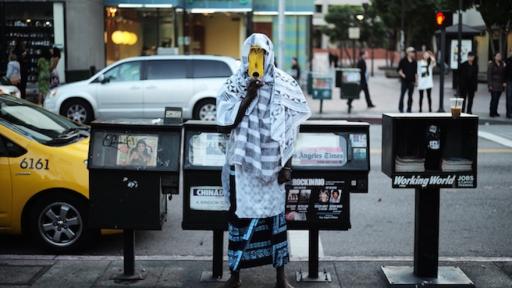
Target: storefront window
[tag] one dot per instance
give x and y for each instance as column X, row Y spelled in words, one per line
column 134, row 32
column 29, row 28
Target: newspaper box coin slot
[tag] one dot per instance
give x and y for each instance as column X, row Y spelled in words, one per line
column 331, row 161
column 132, row 165
column 428, row 152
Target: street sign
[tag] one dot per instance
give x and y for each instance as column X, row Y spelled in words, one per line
column 354, row 33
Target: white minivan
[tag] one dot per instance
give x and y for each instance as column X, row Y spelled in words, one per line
column 141, row 87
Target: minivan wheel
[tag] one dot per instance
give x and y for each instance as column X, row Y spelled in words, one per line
column 206, row 110
column 77, row 110
column 58, row 223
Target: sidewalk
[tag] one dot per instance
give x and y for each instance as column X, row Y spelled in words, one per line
column 385, row 93
column 96, row 271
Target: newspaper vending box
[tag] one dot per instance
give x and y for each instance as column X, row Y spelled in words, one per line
column 133, row 165
column 427, row 152
column 331, row 161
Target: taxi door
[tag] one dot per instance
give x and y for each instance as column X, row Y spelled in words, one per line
column 5, row 186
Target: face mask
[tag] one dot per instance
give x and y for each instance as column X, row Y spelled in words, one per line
column 256, row 62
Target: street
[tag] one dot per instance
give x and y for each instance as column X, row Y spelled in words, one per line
column 474, row 222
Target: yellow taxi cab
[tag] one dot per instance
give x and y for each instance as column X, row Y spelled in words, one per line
column 43, row 176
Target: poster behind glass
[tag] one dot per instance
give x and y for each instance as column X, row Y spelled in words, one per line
column 135, row 150
column 205, row 149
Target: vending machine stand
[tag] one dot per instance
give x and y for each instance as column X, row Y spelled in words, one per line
column 426, row 271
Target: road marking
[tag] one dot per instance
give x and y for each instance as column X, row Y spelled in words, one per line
column 299, row 244
column 495, row 138
column 7, row 257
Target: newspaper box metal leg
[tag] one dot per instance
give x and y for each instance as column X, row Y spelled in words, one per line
column 129, row 273
column 313, row 275
column 217, row 274
column 426, row 271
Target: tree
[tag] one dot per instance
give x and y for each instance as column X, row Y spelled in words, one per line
column 341, row 17
column 497, row 15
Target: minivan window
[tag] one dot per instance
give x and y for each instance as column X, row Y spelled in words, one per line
column 210, row 69
column 166, row 69
column 129, row 71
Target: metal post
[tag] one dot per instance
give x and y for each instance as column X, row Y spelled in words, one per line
column 426, row 271
column 129, row 274
column 426, row 232
column 280, row 34
column 353, row 52
column 441, row 70
column 218, row 247
column 459, row 47
column 313, row 254
column 313, row 274
column 321, row 105
column 129, row 252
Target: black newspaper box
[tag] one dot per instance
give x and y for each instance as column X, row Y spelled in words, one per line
column 430, row 150
column 331, row 161
column 132, row 165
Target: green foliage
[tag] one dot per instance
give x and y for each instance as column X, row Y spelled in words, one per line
column 342, row 17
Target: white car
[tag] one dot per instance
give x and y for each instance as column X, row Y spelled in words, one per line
column 141, row 87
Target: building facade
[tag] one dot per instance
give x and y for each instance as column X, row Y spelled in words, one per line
column 94, row 33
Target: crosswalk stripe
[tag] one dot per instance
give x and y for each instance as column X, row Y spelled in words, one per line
column 495, row 138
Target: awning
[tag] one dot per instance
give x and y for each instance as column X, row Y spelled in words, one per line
column 466, row 30
column 143, row 3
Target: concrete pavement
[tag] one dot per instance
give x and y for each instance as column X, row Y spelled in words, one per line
column 66, row 271
column 385, row 93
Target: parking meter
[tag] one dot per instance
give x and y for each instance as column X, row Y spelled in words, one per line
column 428, row 152
column 133, row 165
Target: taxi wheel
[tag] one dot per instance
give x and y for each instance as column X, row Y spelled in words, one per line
column 58, row 223
column 206, row 110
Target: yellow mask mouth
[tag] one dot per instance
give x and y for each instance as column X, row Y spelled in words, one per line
column 256, row 62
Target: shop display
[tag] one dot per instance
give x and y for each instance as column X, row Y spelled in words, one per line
column 37, row 34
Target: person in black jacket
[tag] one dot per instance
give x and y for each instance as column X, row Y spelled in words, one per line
column 361, row 64
column 407, row 69
column 468, row 82
column 508, row 79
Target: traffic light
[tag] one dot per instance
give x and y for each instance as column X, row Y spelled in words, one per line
column 440, row 19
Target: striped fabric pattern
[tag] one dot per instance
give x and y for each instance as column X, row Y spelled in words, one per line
column 254, row 150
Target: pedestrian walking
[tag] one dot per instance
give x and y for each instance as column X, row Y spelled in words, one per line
column 13, row 72
column 468, row 82
column 425, row 78
column 496, row 82
column 508, row 79
column 22, row 56
column 54, row 61
column 407, row 68
column 263, row 113
column 295, row 71
column 43, row 75
column 363, row 84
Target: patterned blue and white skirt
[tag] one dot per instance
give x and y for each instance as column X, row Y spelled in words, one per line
column 255, row 241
